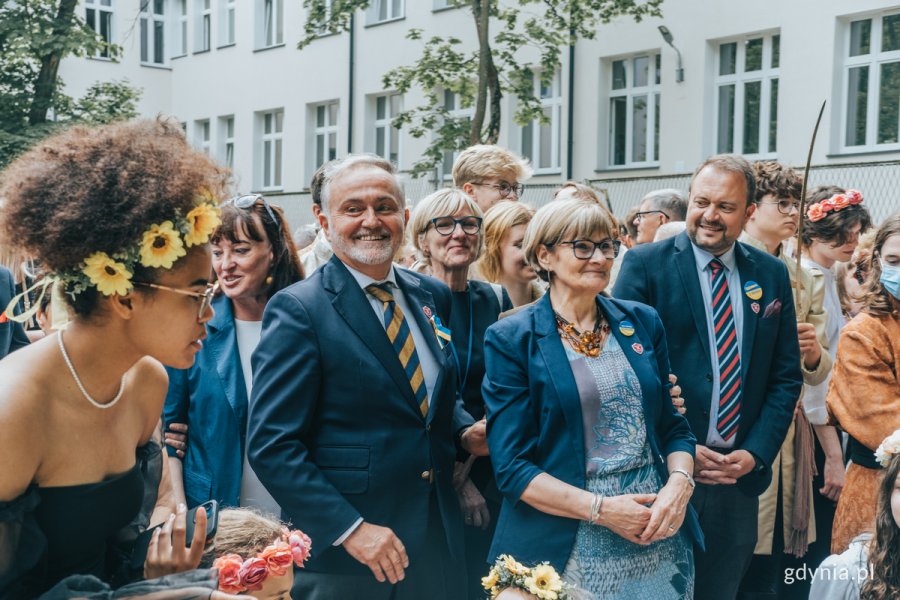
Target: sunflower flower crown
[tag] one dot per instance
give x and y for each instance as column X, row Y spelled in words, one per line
column 837, row 203
column 541, row 580
column 888, row 449
column 237, row 575
column 159, row 247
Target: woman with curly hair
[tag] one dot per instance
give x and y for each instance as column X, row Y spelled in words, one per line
column 120, row 217
column 864, row 397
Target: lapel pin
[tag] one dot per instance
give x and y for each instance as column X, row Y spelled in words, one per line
column 427, row 311
column 626, row 328
column 753, row 291
column 637, row 348
column 755, row 307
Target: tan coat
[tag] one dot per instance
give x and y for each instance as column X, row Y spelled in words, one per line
column 809, row 310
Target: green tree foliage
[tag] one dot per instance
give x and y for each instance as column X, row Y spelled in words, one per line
column 35, row 35
column 508, row 31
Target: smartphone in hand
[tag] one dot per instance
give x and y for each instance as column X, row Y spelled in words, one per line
column 139, row 554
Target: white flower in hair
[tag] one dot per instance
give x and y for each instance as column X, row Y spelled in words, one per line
column 888, row 448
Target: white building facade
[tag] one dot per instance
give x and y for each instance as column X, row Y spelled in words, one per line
column 754, row 76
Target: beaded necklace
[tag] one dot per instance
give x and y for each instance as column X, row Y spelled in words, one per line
column 588, row 343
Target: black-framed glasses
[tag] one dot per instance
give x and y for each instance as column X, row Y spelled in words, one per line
column 447, row 225
column 785, row 205
column 639, row 216
column 205, row 296
column 585, row 249
column 248, row 200
column 504, row 188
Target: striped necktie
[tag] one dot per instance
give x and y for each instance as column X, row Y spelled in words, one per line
column 402, row 340
column 729, row 357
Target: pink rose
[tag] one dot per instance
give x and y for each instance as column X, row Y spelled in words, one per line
column 815, row 213
column 301, row 546
column 854, row 196
column 253, row 573
column 840, row 202
column 278, row 557
column 827, row 205
column 229, row 567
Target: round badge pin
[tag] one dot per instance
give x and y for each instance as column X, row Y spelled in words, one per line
column 427, row 311
column 626, row 328
column 753, row 291
column 637, row 348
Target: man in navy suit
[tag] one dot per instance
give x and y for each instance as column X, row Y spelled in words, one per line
column 12, row 334
column 354, row 415
column 731, row 326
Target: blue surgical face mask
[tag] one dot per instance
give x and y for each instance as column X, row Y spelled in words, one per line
column 890, row 278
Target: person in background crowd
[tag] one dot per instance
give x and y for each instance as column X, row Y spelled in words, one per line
column 863, row 397
column 658, row 207
column 593, row 460
column 319, row 252
column 253, row 258
column 12, row 334
column 668, row 230
column 355, row 407
column 23, row 273
column 731, row 303
column 870, row 568
column 131, row 253
column 446, row 229
column 304, row 236
column 628, row 229
column 850, row 276
column 503, row 261
column 791, row 516
column 490, row 174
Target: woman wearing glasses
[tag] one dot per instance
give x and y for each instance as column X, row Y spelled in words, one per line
column 446, row 230
column 592, row 458
column 253, row 257
column 120, row 217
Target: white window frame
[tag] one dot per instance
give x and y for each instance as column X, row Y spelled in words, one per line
column 553, row 102
column 226, row 141
column 739, row 79
column 202, row 26
column 103, row 11
column 149, row 21
column 270, row 23
column 457, row 112
column 652, row 91
column 875, row 60
column 384, row 125
column 383, row 11
column 179, row 34
column 321, row 133
column 203, row 136
column 271, row 141
column 227, row 22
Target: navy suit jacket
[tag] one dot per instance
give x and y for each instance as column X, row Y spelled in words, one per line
column 664, row 275
column 12, row 334
column 211, row 397
column 335, row 431
column 535, row 426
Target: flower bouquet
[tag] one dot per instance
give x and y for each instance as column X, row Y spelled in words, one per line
column 541, row 581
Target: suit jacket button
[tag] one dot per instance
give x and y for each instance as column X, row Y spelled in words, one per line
column 709, row 376
column 428, row 427
column 428, row 475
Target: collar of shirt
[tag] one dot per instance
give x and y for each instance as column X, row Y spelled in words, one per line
column 364, row 280
column 703, row 257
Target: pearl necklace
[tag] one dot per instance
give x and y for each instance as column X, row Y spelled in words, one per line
column 109, row 404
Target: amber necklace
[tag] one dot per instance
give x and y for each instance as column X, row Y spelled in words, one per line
column 589, row 343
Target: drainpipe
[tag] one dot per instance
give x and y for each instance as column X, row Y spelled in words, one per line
column 350, row 89
column 570, row 126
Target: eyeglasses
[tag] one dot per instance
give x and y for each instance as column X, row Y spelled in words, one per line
column 249, row 200
column 785, row 205
column 447, row 225
column 585, row 249
column 205, row 297
column 639, row 216
column 505, row 188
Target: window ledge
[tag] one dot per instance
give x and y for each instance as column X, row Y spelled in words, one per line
column 156, row 66
column 171, row 58
column 440, row 9
column 228, row 45
column 868, row 152
column 547, row 171
column 273, row 47
column 627, row 168
column 385, row 22
column 106, row 59
column 206, row 51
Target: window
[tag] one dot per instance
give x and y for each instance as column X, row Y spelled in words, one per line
column 202, row 135
column 540, row 141
column 871, row 117
column 203, row 31
column 270, row 26
column 98, row 16
column 272, row 127
column 325, row 132
column 153, row 32
column 181, row 28
column 634, row 108
column 462, row 113
column 226, row 135
column 747, row 95
column 387, row 137
column 385, row 10
column 226, row 22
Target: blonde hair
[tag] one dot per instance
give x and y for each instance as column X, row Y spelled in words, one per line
column 242, row 531
column 484, row 161
column 502, row 217
column 565, row 219
column 442, row 203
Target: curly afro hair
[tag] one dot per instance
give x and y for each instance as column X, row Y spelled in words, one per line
column 92, row 189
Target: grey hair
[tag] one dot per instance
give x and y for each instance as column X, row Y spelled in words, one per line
column 335, row 168
column 670, row 201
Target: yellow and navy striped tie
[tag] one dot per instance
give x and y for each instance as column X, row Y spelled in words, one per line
column 402, row 340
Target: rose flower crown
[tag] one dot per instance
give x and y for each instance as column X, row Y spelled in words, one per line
column 237, row 575
column 837, row 203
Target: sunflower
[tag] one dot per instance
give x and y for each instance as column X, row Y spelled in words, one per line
column 544, row 582
column 203, row 220
column 161, row 246
column 110, row 277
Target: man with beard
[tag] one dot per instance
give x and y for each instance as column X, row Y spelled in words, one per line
column 729, row 318
column 354, row 414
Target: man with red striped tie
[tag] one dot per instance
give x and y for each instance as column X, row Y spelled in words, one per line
column 729, row 318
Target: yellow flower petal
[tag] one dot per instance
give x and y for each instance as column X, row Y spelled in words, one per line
column 203, row 221
column 110, row 276
column 161, row 246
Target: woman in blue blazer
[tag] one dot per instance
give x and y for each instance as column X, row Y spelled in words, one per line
column 253, row 257
column 593, row 460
